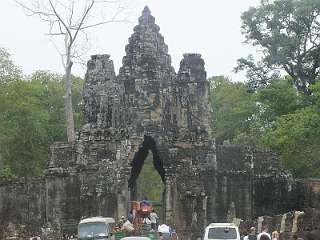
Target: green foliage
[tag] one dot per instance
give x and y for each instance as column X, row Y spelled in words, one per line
column 149, row 181
column 5, row 171
column 277, row 99
column 24, row 139
column 275, row 117
column 233, row 108
column 258, row 74
column 296, row 137
column 77, row 88
column 32, row 118
column 8, row 70
column 287, row 32
column 53, row 101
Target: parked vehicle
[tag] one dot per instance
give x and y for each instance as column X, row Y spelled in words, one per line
column 220, row 231
column 96, row 228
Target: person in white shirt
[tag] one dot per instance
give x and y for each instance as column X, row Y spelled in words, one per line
column 153, row 217
column 245, row 237
column 264, row 235
column 146, row 220
column 252, row 234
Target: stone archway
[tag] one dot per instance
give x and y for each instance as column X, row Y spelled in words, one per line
column 147, row 147
column 147, row 107
column 138, row 160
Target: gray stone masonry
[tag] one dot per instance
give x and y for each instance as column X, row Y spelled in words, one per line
column 148, row 108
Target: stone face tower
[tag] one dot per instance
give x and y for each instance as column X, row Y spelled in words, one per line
column 146, row 108
column 149, row 108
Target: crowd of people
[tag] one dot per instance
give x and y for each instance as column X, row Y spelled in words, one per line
column 147, row 218
column 264, row 235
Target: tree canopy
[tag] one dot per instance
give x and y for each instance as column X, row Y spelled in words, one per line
column 287, row 34
column 232, row 108
column 8, row 70
column 69, row 23
column 296, row 137
column 277, row 117
column 32, row 118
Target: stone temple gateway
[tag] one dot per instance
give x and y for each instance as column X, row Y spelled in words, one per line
column 149, row 108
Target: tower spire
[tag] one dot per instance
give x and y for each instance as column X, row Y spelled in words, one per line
column 146, row 11
column 146, row 17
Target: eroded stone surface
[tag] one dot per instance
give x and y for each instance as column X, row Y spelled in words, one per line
column 149, row 108
column 146, row 108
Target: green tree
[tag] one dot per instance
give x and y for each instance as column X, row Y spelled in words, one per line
column 272, row 101
column 149, row 181
column 53, row 101
column 233, row 108
column 23, row 134
column 69, row 24
column 8, row 70
column 277, row 99
column 244, row 117
column 32, row 118
column 296, row 138
column 287, row 33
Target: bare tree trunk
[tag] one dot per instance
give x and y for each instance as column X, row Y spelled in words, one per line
column 68, row 102
column 63, row 22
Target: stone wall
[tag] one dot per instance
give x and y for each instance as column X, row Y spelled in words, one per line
column 251, row 181
column 63, row 201
column 22, row 202
column 148, row 108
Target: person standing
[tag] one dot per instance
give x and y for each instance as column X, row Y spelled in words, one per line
column 154, row 218
column 130, row 216
column 244, row 235
column 275, row 235
column 121, row 222
column 252, row 234
column 264, row 235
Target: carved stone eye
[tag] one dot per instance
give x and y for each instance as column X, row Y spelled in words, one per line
column 91, row 65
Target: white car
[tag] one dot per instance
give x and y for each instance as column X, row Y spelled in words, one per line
column 221, row 231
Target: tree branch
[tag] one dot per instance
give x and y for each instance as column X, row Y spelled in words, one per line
column 71, row 14
column 60, row 20
column 56, row 34
column 113, row 19
column 82, row 20
column 33, row 11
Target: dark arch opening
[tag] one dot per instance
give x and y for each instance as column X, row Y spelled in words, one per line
column 138, row 160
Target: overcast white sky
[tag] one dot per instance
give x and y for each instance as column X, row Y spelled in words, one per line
column 208, row 27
